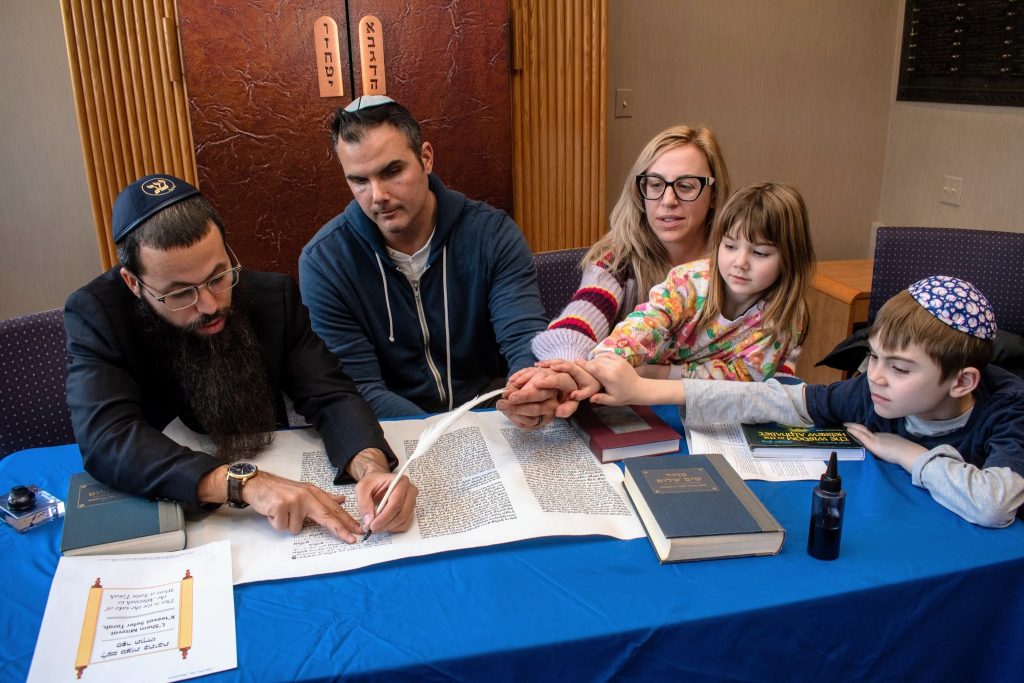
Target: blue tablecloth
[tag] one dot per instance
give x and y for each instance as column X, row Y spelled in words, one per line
column 917, row 594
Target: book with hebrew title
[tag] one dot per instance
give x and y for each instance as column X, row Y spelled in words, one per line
column 773, row 440
column 618, row 432
column 99, row 520
column 695, row 507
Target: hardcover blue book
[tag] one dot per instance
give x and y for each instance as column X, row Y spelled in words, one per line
column 100, row 520
column 696, row 507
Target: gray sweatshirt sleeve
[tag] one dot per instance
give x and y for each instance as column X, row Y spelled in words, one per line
column 987, row 496
column 716, row 401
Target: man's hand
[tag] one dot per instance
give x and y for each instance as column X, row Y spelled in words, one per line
column 536, row 396
column 370, row 470
column 285, row 503
column 888, row 447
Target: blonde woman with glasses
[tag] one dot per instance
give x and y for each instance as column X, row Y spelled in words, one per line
column 662, row 219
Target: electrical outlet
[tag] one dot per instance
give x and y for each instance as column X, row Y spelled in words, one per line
column 624, row 103
column 952, row 190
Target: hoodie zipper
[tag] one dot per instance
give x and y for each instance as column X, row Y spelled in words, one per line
column 426, row 339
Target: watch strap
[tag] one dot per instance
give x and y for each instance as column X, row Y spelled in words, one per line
column 237, row 480
column 235, row 485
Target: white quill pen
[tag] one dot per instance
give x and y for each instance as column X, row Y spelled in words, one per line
column 429, row 437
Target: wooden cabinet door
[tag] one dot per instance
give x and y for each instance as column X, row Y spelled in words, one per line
column 259, row 125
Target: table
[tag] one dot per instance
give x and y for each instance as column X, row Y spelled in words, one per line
column 838, row 302
column 917, row 594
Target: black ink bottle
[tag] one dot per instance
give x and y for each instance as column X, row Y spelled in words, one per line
column 827, row 504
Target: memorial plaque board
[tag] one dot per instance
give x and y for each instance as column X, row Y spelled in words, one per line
column 968, row 52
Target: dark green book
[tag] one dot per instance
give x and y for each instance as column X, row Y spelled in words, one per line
column 99, row 520
column 695, row 507
column 772, row 440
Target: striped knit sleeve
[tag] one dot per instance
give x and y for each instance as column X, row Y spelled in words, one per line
column 588, row 317
column 656, row 326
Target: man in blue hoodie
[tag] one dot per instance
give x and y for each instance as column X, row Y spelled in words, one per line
column 427, row 297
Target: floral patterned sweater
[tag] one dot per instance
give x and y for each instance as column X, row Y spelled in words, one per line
column 664, row 331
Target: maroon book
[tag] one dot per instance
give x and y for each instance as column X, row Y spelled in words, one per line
column 620, row 432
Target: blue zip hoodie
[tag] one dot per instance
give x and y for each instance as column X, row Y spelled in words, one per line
column 479, row 299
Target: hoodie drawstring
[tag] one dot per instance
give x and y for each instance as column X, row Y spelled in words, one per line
column 387, row 305
column 447, row 332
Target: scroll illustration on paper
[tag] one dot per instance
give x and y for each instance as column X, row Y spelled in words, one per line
column 131, row 622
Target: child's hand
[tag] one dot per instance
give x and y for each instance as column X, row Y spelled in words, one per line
column 888, row 447
column 586, row 385
column 534, row 397
column 621, row 384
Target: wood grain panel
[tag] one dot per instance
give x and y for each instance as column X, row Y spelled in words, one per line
column 448, row 63
column 122, row 59
column 260, row 126
column 559, row 104
column 837, row 301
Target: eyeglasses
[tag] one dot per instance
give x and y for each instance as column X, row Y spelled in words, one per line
column 686, row 187
column 180, row 299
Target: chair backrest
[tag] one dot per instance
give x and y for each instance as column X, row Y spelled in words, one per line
column 988, row 259
column 33, row 398
column 558, row 277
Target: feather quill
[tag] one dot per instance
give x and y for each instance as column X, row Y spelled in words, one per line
column 429, row 437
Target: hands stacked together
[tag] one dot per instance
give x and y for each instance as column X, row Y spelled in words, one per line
column 554, row 388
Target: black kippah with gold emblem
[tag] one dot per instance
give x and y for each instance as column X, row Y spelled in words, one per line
column 144, row 198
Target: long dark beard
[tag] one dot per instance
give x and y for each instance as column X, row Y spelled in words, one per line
column 222, row 376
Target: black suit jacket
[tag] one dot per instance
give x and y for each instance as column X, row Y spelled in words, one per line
column 120, row 400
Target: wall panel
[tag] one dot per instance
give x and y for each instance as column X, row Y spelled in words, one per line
column 559, row 104
column 129, row 97
column 260, row 127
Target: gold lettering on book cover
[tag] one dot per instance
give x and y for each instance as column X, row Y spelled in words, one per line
column 682, row 480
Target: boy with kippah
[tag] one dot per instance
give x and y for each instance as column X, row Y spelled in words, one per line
column 929, row 402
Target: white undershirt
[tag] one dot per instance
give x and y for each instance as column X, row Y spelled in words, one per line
column 412, row 266
column 919, row 427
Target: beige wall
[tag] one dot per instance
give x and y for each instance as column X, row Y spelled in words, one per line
column 47, row 237
column 805, row 92
column 797, row 91
column 982, row 145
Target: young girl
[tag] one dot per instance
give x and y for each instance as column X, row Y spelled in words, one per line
column 739, row 316
column 662, row 219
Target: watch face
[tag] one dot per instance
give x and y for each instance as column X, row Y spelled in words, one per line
column 241, row 469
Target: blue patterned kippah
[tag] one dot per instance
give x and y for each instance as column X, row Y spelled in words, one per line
column 957, row 303
column 145, row 197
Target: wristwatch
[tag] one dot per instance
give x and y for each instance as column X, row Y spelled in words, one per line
column 238, row 474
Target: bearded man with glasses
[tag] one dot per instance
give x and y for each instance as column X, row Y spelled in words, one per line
column 180, row 330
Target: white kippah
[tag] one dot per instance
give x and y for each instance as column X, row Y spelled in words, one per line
column 368, row 102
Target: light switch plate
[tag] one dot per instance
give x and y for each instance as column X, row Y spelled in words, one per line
column 952, row 190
